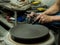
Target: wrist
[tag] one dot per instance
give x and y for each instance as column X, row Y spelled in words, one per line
column 45, row 13
column 55, row 18
column 52, row 18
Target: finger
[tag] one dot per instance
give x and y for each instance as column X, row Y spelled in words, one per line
column 43, row 21
column 38, row 17
column 28, row 15
column 41, row 17
column 32, row 13
column 39, row 21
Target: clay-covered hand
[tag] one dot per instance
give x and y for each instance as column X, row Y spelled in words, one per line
column 31, row 14
column 44, row 18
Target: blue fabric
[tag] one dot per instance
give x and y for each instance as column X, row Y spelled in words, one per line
column 20, row 19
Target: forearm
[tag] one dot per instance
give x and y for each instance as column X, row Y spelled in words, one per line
column 56, row 18
column 52, row 10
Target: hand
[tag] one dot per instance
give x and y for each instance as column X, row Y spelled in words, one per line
column 31, row 15
column 44, row 18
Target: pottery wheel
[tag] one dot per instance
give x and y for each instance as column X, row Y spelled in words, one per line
column 29, row 31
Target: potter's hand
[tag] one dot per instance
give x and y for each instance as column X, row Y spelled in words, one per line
column 44, row 18
column 31, row 15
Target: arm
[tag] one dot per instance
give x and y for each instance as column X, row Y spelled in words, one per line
column 53, row 9
column 56, row 18
column 44, row 18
